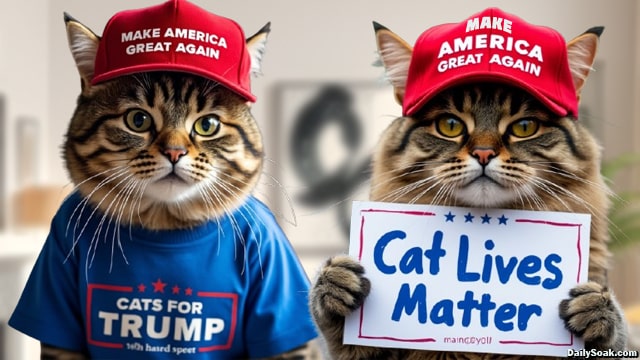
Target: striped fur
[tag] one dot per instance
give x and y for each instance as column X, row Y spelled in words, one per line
column 125, row 139
column 122, row 171
column 483, row 145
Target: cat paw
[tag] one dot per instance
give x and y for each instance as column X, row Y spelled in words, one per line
column 340, row 288
column 593, row 313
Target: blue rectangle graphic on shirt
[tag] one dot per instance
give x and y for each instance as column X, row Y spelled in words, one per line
column 160, row 317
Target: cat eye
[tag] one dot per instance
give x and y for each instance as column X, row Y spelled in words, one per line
column 207, row 125
column 138, row 120
column 450, row 127
column 524, row 128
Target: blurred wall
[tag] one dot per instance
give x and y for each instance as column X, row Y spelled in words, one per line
column 24, row 85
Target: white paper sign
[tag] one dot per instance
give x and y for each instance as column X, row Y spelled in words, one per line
column 463, row 279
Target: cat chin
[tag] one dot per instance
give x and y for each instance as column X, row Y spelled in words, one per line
column 485, row 194
column 170, row 191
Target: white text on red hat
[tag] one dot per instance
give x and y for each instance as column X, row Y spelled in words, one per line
column 211, row 49
column 526, row 57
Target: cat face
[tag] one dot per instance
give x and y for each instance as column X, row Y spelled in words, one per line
column 167, row 137
column 487, row 144
column 161, row 149
column 484, row 145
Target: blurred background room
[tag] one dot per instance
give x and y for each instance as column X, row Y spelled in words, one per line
column 321, row 105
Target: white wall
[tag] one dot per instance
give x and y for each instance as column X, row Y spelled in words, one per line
column 24, row 80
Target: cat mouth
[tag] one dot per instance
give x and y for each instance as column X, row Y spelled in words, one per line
column 172, row 178
column 484, row 191
column 169, row 188
column 484, row 180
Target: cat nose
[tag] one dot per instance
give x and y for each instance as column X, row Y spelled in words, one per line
column 484, row 155
column 174, row 153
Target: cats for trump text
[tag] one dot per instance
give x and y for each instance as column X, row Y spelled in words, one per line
column 152, row 317
column 440, row 273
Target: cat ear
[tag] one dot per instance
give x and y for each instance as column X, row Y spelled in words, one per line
column 395, row 54
column 581, row 52
column 83, row 44
column 256, row 44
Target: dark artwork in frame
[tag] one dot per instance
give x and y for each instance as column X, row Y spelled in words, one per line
column 324, row 134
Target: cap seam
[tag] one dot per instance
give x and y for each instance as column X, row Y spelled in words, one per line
column 175, row 21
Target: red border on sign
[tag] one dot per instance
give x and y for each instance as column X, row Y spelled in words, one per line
column 415, row 213
column 578, row 226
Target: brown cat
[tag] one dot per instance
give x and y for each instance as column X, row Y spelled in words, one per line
column 162, row 251
column 483, row 141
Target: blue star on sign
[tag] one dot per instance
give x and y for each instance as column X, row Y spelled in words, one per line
column 449, row 217
column 486, row 219
column 502, row 220
column 468, row 218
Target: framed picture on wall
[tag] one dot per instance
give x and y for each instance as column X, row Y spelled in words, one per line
column 324, row 134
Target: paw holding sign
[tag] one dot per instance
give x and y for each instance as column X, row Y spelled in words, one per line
column 592, row 313
column 341, row 287
column 339, row 290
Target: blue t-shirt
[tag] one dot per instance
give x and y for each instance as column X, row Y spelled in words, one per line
column 231, row 288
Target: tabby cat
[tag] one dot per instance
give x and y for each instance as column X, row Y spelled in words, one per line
column 162, row 153
column 483, row 144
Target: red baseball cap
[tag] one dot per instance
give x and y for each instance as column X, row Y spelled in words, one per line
column 175, row 36
column 492, row 45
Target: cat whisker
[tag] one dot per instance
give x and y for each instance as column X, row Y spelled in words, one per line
column 444, row 194
column 527, row 192
column 437, row 182
column 318, row 209
column 399, row 192
column 75, row 188
column 282, row 191
column 404, row 190
column 596, row 212
column 235, row 192
column 134, row 197
column 249, row 218
column 549, row 187
column 110, row 217
column 229, row 214
column 554, row 166
column 125, row 205
column 273, row 183
column 413, row 168
column 208, row 201
column 80, row 207
column 597, row 186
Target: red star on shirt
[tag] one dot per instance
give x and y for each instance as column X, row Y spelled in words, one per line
column 141, row 288
column 188, row 291
column 175, row 289
column 158, row 286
